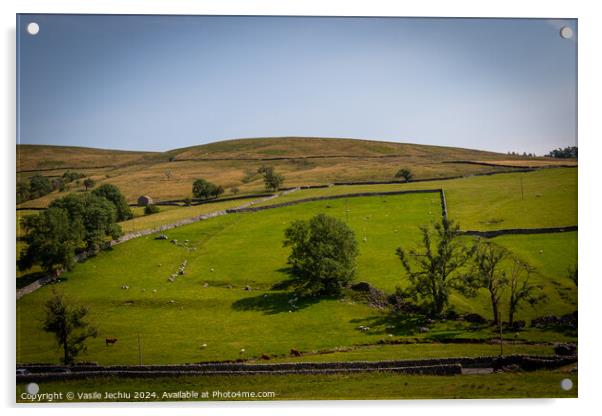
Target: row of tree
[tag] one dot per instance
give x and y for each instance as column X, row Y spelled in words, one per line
column 38, row 185
column 72, row 224
column 569, row 152
column 324, row 249
column 443, row 263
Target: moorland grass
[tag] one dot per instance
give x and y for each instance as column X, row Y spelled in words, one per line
column 304, row 161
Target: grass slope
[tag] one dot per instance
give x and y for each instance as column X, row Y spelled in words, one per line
column 42, row 157
column 549, row 198
column 209, row 304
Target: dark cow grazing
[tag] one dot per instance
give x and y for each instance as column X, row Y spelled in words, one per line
column 111, row 340
column 296, row 353
column 265, row 357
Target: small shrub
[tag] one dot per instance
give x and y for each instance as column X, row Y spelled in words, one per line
column 151, row 209
column 406, row 174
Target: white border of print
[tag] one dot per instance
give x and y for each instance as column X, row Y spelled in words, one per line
column 590, row 29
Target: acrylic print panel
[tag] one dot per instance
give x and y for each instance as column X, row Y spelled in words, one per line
column 324, row 207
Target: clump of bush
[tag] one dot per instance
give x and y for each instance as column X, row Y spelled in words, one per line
column 204, row 189
column 404, row 174
column 151, row 209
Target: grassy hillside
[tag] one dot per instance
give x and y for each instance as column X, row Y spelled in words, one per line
column 234, row 163
column 209, row 304
column 42, row 157
column 312, row 147
column 548, row 198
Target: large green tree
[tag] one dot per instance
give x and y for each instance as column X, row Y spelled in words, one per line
column 323, row 254
column 203, row 189
column 113, row 194
column 68, row 324
column 433, row 268
column 52, row 239
column 97, row 215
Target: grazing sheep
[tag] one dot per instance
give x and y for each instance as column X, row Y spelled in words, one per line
column 242, row 350
column 204, row 346
column 154, row 290
column 212, row 270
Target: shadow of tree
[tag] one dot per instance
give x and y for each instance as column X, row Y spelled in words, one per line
column 28, row 278
column 273, row 303
column 393, row 323
column 566, row 330
column 287, row 284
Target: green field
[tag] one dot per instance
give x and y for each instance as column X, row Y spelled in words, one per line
column 363, row 386
column 170, row 214
column 209, row 304
column 549, row 198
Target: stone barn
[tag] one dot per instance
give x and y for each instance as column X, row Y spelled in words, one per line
column 145, row 200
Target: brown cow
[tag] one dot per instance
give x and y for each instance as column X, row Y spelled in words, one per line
column 296, row 353
column 110, row 341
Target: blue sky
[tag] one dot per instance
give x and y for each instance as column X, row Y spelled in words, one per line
column 164, row 82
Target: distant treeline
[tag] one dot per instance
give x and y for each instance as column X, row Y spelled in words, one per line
column 37, row 186
column 525, row 154
column 560, row 153
column 566, row 153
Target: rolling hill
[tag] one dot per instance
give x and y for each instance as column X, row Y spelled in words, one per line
column 233, row 163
